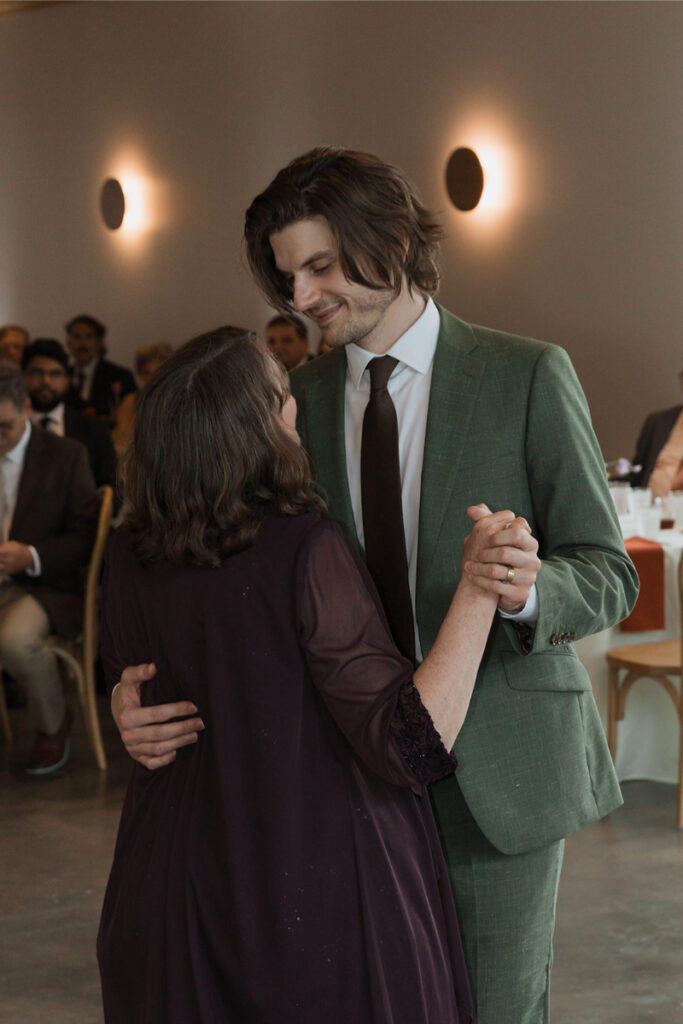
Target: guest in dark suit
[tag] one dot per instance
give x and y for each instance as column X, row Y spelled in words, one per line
column 653, row 436
column 100, row 383
column 48, row 518
column 46, row 371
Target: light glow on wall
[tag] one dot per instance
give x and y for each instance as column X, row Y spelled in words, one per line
column 143, row 198
column 500, row 161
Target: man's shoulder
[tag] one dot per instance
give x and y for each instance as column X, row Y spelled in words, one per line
column 81, row 426
column 664, row 415
column 492, row 343
column 64, row 450
column 113, row 371
column 321, row 368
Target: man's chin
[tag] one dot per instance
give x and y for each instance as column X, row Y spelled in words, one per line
column 44, row 405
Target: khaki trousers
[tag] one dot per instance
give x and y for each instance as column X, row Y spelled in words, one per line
column 24, row 627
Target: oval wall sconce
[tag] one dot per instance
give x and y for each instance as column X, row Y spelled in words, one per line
column 464, row 179
column 112, row 204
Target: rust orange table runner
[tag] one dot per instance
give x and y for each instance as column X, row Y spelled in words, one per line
column 648, row 558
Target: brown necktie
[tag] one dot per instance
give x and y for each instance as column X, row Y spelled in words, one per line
column 385, row 545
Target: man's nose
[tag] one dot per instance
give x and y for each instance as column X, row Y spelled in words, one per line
column 305, row 294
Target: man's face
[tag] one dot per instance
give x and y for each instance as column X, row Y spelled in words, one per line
column 12, row 424
column 47, row 382
column 83, row 343
column 286, row 345
column 307, row 254
column 12, row 346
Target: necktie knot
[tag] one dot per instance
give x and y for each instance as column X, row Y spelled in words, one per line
column 45, row 422
column 380, row 371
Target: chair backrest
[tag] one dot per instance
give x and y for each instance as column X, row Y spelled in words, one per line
column 92, row 582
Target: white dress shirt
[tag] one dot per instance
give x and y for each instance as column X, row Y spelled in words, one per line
column 56, row 426
column 409, row 387
column 11, row 466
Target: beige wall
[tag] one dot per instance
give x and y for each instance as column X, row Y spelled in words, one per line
column 207, row 101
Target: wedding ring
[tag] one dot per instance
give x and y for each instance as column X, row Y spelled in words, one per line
column 510, row 578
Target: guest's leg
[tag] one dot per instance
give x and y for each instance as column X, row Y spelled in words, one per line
column 24, row 627
column 506, row 908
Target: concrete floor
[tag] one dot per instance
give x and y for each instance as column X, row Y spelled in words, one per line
column 619, row 940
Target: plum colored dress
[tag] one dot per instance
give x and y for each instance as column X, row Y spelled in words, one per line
column 286, row 868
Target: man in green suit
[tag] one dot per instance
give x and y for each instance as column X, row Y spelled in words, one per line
column 487, row 418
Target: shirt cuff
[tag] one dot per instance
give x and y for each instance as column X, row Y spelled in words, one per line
column 529, row 613
column 37, row 568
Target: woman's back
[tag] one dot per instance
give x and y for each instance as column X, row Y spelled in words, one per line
column 285, row 867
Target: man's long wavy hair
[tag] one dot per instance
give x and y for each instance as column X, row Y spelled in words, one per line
column 382, row 229
column 210, row 455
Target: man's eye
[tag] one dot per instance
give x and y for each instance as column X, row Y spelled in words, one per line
column 321, row 270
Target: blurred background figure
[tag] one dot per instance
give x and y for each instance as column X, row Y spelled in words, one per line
column 13, row 340
column 287, row 339
column 660, row 448
column 99, row 384
column 148, row 359
column 46, row 372
column 48, row 518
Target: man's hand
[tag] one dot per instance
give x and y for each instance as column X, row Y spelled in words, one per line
column 147, row 732
column 501, row 545
column 15, row 557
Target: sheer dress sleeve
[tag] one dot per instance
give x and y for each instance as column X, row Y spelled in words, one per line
column 366, row 684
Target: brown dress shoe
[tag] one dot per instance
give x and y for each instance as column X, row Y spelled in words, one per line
column 50, row 752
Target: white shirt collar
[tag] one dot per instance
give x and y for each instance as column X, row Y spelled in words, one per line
column 16, row 454
column 56, row 415
column 415, row 348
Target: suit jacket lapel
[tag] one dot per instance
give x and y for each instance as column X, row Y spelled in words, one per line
column 456, row 379
column 29, row 490
column 325, row 436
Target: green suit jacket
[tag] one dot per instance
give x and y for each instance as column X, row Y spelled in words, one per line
column 508, row 425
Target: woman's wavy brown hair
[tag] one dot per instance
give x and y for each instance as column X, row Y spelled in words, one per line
column 210, row 455
column 382, row 229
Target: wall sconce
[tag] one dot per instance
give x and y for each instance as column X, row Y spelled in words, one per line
column 112, row 204
column 464, row 179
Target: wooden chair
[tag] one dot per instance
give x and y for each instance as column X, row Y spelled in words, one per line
column 659, row 660
column 79, row 655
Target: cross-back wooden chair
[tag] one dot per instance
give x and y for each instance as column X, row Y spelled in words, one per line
column 659, row 660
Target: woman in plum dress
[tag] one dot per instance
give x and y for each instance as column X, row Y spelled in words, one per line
column 286, row 868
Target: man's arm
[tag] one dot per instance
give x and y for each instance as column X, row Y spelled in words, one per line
column 69, row 549
column 586, row 582
column 150, row 734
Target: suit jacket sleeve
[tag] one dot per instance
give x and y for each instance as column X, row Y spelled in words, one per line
column 586, row 583
column 69, row 549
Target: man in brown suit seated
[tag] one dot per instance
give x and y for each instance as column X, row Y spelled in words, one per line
column 48, row 519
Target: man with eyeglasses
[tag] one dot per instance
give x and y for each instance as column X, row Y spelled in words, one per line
column 48, row 519
column 46, row 371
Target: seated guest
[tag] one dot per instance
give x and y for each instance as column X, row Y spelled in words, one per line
column 100, row 384
column 46, row 371
column 287, row 339
column 48, row 519
column 654, row 434
column 148, row 359
column 668, row 472
column 13, row 340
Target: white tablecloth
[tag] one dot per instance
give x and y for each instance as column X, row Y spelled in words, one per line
column 647, row 739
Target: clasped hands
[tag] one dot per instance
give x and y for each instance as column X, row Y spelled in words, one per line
column 499, row 541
